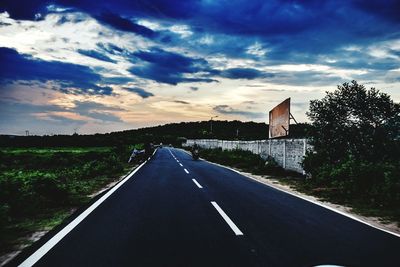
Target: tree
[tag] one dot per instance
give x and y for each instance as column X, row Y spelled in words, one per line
column 355, row 121
column 356, row 138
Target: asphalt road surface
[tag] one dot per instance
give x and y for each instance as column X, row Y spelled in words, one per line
column 175, row 211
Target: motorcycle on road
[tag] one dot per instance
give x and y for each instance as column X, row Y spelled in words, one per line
column 195, row 154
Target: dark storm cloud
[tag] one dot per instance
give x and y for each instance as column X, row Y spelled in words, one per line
column 96, row 55
column 116, row 80
column 228, row 110
column 241, row 16
column 110, row 48
column 26, row 10
column 258, row 17
column 168, row 67
column 244, row 73
column 19, row 67
column 158, row 8
column 162, row 75
column 181, row 102
column 139, row 91
column 124, row 24
column 178, row 62
column 290, row 31
column 386, row 9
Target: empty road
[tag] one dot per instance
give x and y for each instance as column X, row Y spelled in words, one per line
column 174, row 211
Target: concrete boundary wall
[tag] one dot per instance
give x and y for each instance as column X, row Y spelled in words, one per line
column 288, row 153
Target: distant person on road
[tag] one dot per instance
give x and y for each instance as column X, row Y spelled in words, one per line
column 148, row 149
column 195, row 151
column 196, row 146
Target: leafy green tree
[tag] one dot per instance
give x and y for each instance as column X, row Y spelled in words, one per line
column 356, row 138
column 355, row 121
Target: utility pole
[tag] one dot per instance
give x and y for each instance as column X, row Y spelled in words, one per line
column 211, row 123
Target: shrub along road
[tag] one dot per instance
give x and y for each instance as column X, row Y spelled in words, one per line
column 178, row 212
column 39, row 187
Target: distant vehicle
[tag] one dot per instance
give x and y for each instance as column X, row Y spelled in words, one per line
column 195, row 154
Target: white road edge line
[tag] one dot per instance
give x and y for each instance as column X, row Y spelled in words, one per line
column 198, row 185
column 311, row 201
column 38, row 254
column 231, row 224
column 181, row 164
column 186, row 171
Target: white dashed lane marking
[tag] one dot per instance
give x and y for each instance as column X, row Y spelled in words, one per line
column 231, row 224
column 197, row 183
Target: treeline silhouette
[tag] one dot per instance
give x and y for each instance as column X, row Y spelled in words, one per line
column 173, row 133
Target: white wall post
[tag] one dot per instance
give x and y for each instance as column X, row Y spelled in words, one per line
column 269, row 147
column 284, row 153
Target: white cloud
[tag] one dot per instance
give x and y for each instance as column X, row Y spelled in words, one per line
column 257, row 50
column 49, row 39
column 56, row 8
column 328, row 70
column 150, row 24
column 181, row 29
column 206, row 40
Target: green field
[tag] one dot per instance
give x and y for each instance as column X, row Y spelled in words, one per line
column 52, row 150
column 39, row 187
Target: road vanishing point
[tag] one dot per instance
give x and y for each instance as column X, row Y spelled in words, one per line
column 175, row 211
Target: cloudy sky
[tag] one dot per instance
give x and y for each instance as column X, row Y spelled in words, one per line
column 101, row 66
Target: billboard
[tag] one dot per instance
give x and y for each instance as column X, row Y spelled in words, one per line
column 279, row 118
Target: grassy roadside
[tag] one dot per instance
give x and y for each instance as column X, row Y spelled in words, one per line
column 40, row 187
column 249, row 162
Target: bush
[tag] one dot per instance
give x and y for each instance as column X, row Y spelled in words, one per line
column 49, row 190
column 244, row 160
column 373, row 183
column 31, row 181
